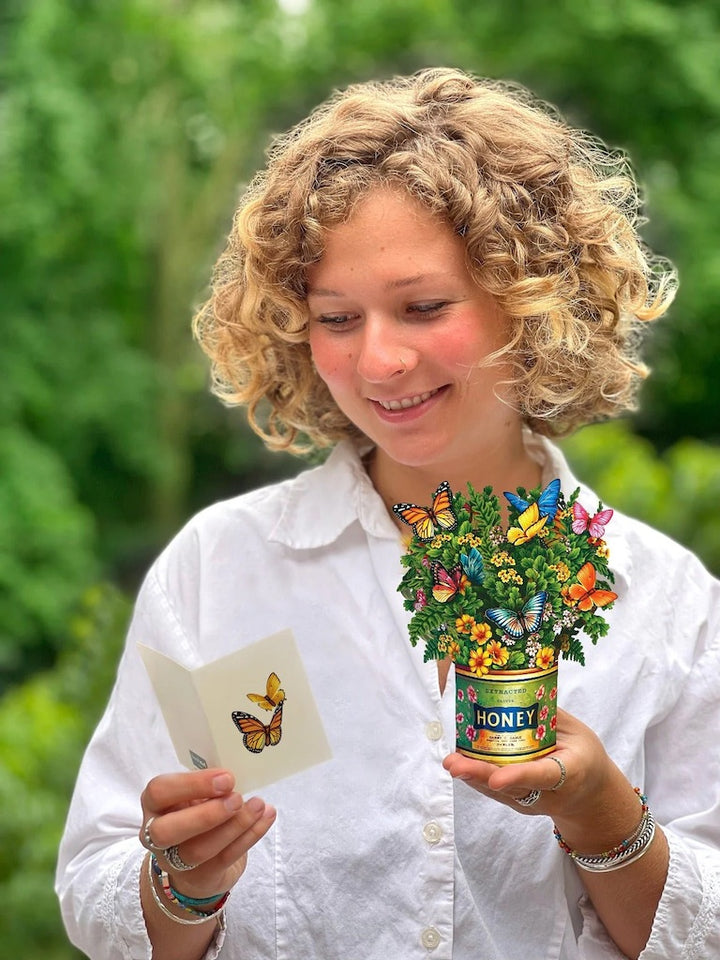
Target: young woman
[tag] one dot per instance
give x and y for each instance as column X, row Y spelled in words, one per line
column 433, row 275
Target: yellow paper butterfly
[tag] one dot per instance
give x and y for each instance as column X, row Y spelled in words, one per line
column 531, row 523
column 274, row 696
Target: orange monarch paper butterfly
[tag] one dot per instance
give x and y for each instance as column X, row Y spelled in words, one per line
column 256, row 734
column 273, row 694
column 427, row 521
column 583, row 594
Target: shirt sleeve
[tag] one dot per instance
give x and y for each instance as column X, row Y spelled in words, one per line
column 682, row 776
column 683, row 779
column 100, row 855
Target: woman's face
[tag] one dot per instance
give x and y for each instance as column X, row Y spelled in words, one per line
column 397, row 329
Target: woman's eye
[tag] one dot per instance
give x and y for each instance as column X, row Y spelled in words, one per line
column 428, row 307
column 335, row 319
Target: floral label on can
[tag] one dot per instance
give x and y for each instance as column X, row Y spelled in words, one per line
column 506, row 716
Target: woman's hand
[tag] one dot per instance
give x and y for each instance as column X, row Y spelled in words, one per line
column 588, row 770
column 211, row 826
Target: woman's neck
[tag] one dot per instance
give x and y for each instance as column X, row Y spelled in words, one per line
column 504, row 469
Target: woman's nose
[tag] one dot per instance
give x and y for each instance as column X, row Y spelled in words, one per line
column 383, row 356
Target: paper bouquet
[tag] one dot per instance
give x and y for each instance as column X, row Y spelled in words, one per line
column 500, row 601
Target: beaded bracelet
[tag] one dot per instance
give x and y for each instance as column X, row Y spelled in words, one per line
column 628, row 851
column 154, row 870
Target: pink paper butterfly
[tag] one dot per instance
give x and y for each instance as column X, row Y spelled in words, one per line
column 595, row 526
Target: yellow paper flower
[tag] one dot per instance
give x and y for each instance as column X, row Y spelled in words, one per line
column 509, row 576
column 498, row 653
column 545, row 658
column 562, row 570
column 465, row 623
column 480, row 661
column 502, row 558
column 453, row 649
column 481, row 632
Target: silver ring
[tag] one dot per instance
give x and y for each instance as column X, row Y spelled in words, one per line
column 145, row 839
column 404, row 365
column 529, row 799
column 563, row 773
column 173, row 857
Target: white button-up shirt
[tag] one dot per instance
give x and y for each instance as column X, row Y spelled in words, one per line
column 378, row 853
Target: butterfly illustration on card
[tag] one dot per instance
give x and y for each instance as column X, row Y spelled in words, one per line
column 547, row 502
column 595, row 526
column 426, row 522
column 519, row 623
column 256, row 734
column 447, row 583
column 273, row 694
column 583, row 594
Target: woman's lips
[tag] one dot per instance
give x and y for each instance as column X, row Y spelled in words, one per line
column 406, row 407
column 406, row 402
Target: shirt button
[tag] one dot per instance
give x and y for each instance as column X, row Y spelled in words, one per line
column 432, row 832
column 430, row 938
column 434, row 730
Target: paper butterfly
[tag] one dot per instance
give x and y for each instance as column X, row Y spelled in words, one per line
column 584, row 595
column 273, row 694
column 256, row 734
column 518, row 623
column 531, row 523
column 547, row 501
column 427, row 521
column 473, row 566
column 447, row 583
column 595, row 526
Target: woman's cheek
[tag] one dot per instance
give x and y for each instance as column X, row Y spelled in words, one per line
column 331, row 361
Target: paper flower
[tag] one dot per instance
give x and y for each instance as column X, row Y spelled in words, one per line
column 513, row 598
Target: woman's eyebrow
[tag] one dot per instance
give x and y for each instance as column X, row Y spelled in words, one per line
column 398, row 284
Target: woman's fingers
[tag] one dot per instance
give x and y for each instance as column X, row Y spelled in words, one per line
column 196, row 819
column 174, row 790
column 248, row 820
column 575, row 770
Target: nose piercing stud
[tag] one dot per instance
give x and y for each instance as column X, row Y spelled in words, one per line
column 404, row 365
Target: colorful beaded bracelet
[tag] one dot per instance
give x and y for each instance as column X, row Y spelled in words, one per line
column 218, row 915
column 625, row 853
column 186, row 903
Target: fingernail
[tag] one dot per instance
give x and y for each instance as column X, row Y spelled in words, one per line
column 255, row 805
column 222, row 783
column 270, row 813
column 233, row 802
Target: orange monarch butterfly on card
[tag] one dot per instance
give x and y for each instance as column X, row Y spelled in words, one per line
column 273, row 694
column 256, row 734
column 427, row 521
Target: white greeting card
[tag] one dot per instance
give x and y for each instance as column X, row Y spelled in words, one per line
column 252, row 712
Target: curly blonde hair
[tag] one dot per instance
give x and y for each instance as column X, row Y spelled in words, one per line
column 549, row 217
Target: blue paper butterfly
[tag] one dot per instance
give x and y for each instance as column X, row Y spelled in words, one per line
column 547, row 501
column 518, row 623
column 473, row 566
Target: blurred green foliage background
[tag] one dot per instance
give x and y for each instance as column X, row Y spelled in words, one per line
column 126, row 129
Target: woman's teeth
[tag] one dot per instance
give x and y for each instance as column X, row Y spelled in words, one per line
column 407, row 402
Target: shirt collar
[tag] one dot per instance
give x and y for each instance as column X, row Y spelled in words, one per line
column 322, row 503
